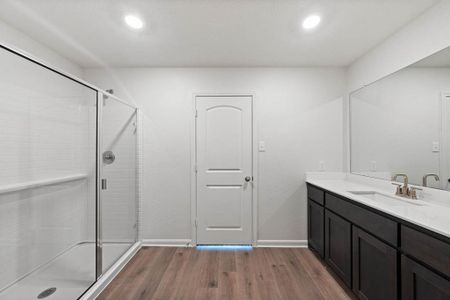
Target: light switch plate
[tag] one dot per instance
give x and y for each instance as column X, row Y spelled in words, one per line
column 262, row 146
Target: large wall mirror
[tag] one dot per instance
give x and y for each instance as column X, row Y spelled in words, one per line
column 401, row 124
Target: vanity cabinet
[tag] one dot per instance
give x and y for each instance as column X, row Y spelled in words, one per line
column 315, row 227
column 374, row 267
column 420, row 283
column 338, row 245
column 378, row 256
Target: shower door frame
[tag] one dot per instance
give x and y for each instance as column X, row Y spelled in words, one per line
column 98, row 173
column 101, row 97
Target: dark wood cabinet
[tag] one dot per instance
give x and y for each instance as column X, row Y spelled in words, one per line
column 372, row 222
column 377, row 255
column 374, row 267
column 338, row 245
column 420, row 283
column 316, row 227
column 427, row 249
column 316, row 194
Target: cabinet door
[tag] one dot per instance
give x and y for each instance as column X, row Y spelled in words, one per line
column 420, row 283
column 315, row 227
column 374, row 266
column 338, row 245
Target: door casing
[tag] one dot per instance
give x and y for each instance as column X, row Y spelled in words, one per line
column 193, row 138
column 444, row 175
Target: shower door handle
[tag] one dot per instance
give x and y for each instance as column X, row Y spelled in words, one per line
column 104, row 184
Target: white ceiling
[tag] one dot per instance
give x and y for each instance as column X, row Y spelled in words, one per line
column 206, row 33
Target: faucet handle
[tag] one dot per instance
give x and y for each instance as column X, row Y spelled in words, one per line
column 398, row 190
column 413, row 192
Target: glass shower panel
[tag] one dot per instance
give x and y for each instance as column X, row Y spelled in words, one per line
column 118, row 197
column 47, row 182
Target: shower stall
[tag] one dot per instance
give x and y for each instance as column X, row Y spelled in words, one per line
column 68, row 181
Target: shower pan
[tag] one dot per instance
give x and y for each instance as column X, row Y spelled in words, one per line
column 61, row 229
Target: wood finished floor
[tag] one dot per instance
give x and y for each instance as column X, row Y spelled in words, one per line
column 187, row 273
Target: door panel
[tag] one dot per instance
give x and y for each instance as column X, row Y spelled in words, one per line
column 315, row 227
column 338, row 245
column 374, row 265
column 421, row 283
column 224, row 138
column 224, row 159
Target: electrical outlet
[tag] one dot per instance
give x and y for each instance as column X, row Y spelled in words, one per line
column 321, row 165
column 436, row 147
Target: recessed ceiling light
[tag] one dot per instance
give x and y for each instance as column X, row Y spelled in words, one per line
column 311, row 22
column 134, row 21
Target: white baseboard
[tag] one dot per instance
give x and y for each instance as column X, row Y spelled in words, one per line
column 282, row 243
column 106, row 278
column 166, row 242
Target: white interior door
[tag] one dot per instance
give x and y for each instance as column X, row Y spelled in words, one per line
column 224, row 170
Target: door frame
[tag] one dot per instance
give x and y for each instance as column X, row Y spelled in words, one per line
column 444, row 144
column 193, row 163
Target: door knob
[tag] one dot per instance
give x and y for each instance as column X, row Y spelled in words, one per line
column 109, row 157
column 248, row 179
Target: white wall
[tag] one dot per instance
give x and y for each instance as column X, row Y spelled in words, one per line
column 10, row 36
column 299, row 116
column 422, row 37
column 395, row 122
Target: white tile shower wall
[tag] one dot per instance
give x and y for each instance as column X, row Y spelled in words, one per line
column 45, row 133
column 119, row 208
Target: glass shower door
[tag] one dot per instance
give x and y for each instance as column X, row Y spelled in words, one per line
column 47, row 182
column 118, row 217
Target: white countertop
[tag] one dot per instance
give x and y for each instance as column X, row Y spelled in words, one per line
column 431, row 215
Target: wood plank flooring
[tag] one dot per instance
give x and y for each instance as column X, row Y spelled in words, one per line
column 187, row 273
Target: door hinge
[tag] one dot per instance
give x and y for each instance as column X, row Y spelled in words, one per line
column 196, row 113
column 196, row 223
column 195, row 169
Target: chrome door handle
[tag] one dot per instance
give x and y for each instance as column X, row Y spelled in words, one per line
column 248, row 179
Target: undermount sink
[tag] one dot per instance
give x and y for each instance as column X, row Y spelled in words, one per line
column 387, row 199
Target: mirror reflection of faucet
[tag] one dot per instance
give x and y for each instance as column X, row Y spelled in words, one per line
column 425, row 177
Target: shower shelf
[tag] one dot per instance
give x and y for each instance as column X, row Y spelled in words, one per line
column 39, row 183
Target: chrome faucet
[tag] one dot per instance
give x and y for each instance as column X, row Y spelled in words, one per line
column 425, row 177
column 404, row 191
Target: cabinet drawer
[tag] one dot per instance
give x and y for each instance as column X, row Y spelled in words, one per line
column 316, row 194
column 377, row 225
column 431, row 251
